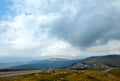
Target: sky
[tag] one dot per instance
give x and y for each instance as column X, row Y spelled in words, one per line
column 59, row 28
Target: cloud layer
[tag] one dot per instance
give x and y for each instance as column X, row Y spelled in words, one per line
column 52, row 28
column 95, row 22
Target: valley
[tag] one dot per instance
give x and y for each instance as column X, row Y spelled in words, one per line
column 97, row 68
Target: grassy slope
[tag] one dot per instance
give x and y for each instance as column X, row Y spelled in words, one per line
column 96, row 69
column 115, row 72
column 68, row 75
column 110, row 60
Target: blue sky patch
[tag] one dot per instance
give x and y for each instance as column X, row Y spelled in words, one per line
column 4, row 7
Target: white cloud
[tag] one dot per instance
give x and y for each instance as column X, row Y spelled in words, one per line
column 26, row 31
column 60, row 49
column 29, row 27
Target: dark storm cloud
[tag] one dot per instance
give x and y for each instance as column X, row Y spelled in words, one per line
column 96, row 22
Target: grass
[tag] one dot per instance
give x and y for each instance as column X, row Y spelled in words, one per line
column 68, row 75
column 96, row 69
column 115, row 72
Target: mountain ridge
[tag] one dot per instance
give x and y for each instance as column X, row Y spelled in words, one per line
column 105, row 61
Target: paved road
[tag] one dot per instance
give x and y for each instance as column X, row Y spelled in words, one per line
column 108, row 70
column 16, row 73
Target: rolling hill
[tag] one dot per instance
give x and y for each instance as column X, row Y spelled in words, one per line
column 109, row 60
column 53, row 63
column 56, row 63
column 99, row 62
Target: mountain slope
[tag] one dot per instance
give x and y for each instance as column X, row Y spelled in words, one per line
column 109, row 60
column 46, row 64
column 98, row 62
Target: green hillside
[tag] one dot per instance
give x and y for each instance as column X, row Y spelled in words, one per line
column 109, row 60
column 66, row 75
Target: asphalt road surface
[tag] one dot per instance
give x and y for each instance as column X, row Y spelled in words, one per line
column 108, row 70
column 16, row 73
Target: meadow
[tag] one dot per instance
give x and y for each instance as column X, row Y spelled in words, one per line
column 68, row 75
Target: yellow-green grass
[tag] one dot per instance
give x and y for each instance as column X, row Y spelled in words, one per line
column 115, row 72
column 97, row 69
column 65, row 75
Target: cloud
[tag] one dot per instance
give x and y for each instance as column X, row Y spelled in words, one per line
column 60, row 49
column 52, row 28
column 26, row 31
column 96, row 22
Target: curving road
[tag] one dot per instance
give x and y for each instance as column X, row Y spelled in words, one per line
column 16, row 73
column 108, row 70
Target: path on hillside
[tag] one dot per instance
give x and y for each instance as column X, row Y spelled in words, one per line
column 108, row 70
column 16, row 73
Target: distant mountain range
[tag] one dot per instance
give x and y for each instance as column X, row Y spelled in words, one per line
column 55, row 63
